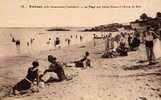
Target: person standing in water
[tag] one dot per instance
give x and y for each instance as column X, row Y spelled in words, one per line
column 13, row 39
column 68, row 40
column 28, row 44
column 57, row 42
column 81, row 38
column 17, row 42
column 31, row 40
column 48, row 42
column 94, row 42
column 108, row 42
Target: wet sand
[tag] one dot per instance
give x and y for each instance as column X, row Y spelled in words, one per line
column 121, row 78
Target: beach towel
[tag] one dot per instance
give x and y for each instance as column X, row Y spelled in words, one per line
column 157, row 49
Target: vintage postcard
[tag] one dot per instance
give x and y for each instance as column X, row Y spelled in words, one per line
column 80, row 49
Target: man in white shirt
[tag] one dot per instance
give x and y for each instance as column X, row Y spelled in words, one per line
column 149, row 37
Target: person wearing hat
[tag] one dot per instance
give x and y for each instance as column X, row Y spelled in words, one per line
column 149, row 37
column 55, row 67
column 31, row 76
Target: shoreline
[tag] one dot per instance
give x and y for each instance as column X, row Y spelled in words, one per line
column 29, row 54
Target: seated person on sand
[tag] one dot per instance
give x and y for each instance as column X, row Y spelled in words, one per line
column 111, row 52
column 82, row 63
column 27, row 82
column 122, row 49
column 135, row 43
column 55, row 67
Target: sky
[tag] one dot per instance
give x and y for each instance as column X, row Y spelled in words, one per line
column 13, row 15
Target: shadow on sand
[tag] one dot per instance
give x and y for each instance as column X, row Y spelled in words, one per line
column 143, row 67
column 142, row 61
column 52, row 80
column 132, row 75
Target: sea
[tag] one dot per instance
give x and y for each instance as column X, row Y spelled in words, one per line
column 35, row 40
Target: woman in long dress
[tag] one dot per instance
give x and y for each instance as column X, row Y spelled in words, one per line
column 150, row 45
column 108, row 43
column 157, row 46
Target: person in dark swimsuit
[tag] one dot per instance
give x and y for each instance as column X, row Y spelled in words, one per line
column 57, row 42
column 81, row 38
column 82, row 63
column 31, row 76
column 13, row 39
column 68, row 41
column 135, row 43
column 17, row 42
column 55, row 67
column 122, row 50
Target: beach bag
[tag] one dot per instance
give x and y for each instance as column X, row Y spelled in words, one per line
column 157, row 49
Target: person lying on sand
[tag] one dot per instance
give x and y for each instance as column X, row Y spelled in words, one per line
column 57, row 68
column 27, row 82
column 82, row 63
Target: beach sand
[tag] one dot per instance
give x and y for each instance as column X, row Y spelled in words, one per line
column 121, row 78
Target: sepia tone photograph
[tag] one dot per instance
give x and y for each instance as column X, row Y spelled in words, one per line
column 80, row 50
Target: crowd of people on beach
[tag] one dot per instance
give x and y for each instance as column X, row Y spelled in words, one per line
column 118, row 45
column 34, row 78
column 122, row 43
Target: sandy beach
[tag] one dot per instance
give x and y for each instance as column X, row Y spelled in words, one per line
column 121, row 78
column 113, row 45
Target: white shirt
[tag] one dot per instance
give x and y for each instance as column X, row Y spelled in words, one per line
column 149, row 37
